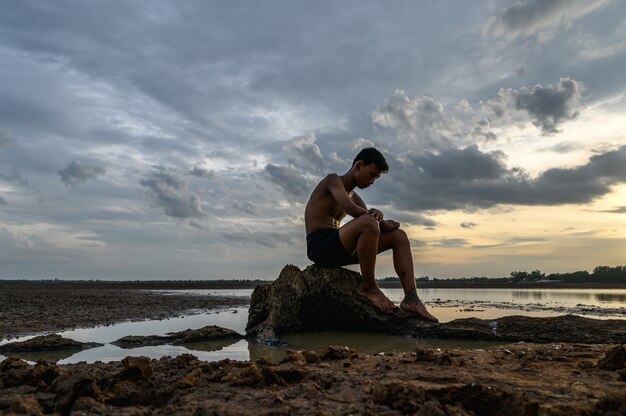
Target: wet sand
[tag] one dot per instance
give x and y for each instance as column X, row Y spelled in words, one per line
column 28, row 308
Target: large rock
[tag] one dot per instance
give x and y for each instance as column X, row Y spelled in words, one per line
column 325, row 298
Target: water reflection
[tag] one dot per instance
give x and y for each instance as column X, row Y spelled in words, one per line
column 216, row 345
column 611, row 297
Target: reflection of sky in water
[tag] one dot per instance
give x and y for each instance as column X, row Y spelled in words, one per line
column 209, row 292
column 446, row 304
column 565, row 297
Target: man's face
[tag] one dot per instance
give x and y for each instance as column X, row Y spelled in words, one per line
column 367, row 174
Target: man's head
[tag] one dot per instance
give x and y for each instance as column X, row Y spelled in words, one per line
column 371, row 155
column 368, row 165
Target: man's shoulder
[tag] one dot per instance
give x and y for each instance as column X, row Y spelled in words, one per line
column 331, row 177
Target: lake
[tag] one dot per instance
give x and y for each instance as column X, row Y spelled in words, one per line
column 447, row 304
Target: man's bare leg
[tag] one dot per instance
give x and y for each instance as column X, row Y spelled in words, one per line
column 403, row 265
column 361, row 235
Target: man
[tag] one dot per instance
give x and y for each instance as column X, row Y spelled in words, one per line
column 361, row 239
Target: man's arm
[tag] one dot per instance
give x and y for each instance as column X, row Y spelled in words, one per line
column 338, row 191
column 376, row 213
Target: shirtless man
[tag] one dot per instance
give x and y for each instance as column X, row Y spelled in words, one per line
column 361, row 239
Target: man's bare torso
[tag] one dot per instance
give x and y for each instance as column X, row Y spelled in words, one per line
column 322, row 210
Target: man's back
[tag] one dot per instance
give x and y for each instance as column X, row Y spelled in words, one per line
column 323, row 210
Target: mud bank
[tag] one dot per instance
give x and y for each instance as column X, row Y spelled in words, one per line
column 517, row 379
column 29, row 309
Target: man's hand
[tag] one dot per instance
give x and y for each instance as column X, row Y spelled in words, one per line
column 388, row 225
column 376, row 214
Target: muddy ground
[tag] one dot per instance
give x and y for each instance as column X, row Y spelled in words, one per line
column 36, row 308
column 518, row 379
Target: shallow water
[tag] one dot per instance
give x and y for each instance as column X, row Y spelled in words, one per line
column 446, row 304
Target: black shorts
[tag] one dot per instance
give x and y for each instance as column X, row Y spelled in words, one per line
column 324, row 248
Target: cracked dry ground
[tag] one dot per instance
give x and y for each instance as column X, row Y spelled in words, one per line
column 517, row 379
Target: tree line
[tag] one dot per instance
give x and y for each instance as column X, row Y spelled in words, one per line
column 600, row 274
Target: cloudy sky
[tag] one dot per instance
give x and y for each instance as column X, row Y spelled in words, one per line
column 154, row 139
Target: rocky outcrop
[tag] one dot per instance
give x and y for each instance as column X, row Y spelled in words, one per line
column 207, row 333
column 52, row 342
column 320, row 298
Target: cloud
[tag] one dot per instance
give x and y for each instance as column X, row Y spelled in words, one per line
column 618, row 210
column 303, row 153
column 6, row 137
column 2, row 200
column 170, row 192
column 468, row 224
column 469, row 178
column 547, row 106
column 201, row 172
column 451, row 242
column 417, row 120
column 239, row 203
column 15, row 176
column 529, row 17
column 289, row 179
column 79, row 172
column 241, row 234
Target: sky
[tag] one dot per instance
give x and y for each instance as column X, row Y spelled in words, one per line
column 181, row 140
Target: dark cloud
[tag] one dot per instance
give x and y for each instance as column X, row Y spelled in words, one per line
column 548, row 106
column 290, row 179
column 466, row 178
column 170, row 192
column 79, row 172
column 468, row 224
column 527, row 17
column 201, row 172
column 465, row 164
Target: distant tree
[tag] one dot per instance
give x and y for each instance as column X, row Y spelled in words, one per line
column 519, row 276
column 536, row 275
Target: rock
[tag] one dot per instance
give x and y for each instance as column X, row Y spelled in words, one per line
column 26, row 406
column 614, row 359
column 134, row 341
column 136, row 369
column 325, row 298
column 207, row 333
column 50, row 342
column 14, row 371
column 72, row 388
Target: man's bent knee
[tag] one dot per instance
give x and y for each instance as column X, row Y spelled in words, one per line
column 369, row 224
column 400, row 236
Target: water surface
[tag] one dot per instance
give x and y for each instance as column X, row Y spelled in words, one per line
column 446, row 304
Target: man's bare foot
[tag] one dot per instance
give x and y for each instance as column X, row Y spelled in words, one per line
column 377, row 297
column 412, row 303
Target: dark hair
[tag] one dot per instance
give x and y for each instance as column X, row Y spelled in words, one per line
column 371, row 155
